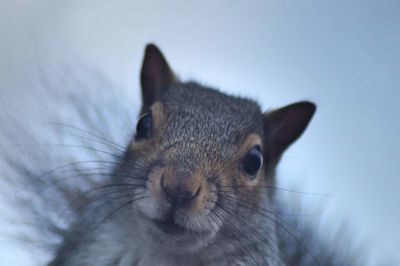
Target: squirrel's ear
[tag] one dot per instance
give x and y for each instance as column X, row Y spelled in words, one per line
column 283, row 126
column 156, row 76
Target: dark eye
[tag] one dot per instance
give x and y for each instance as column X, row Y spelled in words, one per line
column 252, row 162
column 144, row 127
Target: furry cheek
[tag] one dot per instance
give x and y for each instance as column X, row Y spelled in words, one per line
column 152, row 205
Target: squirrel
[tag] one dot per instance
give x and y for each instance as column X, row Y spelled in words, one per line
column 194, row 186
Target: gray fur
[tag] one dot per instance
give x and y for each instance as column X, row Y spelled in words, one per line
column 203, row 129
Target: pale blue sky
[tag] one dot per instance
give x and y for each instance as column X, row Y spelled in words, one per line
column 343, row 55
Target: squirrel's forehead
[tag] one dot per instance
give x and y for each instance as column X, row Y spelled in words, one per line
column 192, row 102
column 209, row 119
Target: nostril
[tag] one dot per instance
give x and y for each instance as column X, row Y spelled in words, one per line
column 164, row 188
column 196, row 193
column 188, row 194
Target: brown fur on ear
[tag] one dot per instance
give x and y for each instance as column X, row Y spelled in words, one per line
column 283, row 126
column 156, row 76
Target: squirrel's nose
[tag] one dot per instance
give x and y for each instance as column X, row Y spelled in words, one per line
column 179, row 191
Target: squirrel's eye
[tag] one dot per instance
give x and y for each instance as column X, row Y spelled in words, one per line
column 144, row 127
column 252, row 162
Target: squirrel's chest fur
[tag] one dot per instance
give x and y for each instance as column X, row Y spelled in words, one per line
column 120, row 242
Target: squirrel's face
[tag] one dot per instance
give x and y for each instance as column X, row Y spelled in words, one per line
column 200, row 157
column 190, row 148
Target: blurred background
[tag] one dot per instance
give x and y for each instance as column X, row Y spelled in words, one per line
column 343, row 55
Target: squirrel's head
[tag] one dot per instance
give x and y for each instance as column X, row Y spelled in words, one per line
column 202, row 156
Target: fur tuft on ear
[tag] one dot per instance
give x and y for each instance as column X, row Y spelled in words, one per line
column 156, row 76
column 283, row 126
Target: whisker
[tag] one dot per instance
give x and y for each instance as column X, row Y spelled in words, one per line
column 44, row 145
column 104, row 143
column 110, row 214
column 252, row 230
column 110, row 200
column 217, row 231
column 230, row 225
column 74, row 164
column 121, row 187
column 280, row 225
column 268, row 242
column 82, row 174
column 121, row 148
column 223, row 233
column 250, row 206
column 273, row 212
column 61, row 167
column 281, row 189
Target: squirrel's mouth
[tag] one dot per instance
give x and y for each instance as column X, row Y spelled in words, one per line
column 166, row 225
column 169, row 226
